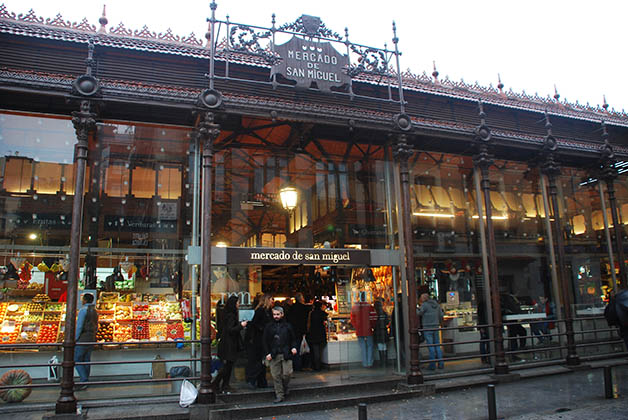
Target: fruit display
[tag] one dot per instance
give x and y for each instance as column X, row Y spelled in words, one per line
column 105, row 306
column 52, row 316
column 54, row 307
column 157, row 312
column 8, row 338
column 157, row 331
column 3, row 309
column 48, row 333
column 32, row 317
column 32, row 307
column 123, row 312
column 41, row 297
column 28, row 333
column 61, row 333
column 105, row 316
column 140, row 330
column 175, row 330
column 173, row 311
column 123, row 332
column 105, row 332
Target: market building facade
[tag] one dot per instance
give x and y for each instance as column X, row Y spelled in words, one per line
column 163, row 172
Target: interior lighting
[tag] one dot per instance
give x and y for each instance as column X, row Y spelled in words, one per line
column 221, row 244
column 492, row 217
column 440, row 215
column 32, row 236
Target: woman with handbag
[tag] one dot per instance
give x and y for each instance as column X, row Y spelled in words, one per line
column 229, row 328
column 381, row 332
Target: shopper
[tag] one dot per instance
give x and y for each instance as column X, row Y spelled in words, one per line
column 86, row 327
column 280, row 346
column 541, row 328
column 229, row 328
column 382, row 322
column 431, row 316
column 363, row 318
column 255, row 370
column 396, row 330
column 297, row 317
column 511, row 306
column 317, row 334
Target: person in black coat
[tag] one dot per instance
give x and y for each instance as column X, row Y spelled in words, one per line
column 297, row 316
column 380, row 333
column 229, row 328
column 255, row 371
column 317, row 333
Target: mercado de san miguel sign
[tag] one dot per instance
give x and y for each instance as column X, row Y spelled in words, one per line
column 298, row 256
column 306, row 61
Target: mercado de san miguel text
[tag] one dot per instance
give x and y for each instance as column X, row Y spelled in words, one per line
column 164, row 174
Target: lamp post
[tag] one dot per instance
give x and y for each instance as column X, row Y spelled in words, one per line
column 288, row 196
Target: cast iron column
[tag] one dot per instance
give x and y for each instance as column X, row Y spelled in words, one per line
column 483, row 161
column 402, row 152
column 207, row 132
column 84, row 123
column 551, row 169
column 609, row 174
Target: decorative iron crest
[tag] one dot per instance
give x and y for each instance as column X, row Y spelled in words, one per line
column 370, row 60
column 311, row 26
column 245, row 39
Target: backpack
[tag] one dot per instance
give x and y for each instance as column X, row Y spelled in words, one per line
column 610, row 313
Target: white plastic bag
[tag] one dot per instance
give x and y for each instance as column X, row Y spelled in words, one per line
column 305, row 348
column 188, row 394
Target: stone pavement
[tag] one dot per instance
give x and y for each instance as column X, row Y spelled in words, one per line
column 575, row 395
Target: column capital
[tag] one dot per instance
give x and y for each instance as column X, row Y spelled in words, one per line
column 401, row 149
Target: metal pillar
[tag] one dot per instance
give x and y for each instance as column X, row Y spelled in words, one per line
column 207, row 132
column 551, row 169
column 483, row 161
column 402, row 152
column 609, row 174
column 84, row 123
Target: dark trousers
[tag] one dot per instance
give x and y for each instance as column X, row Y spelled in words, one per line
column 316, row 350
column 255, row 371
column 221, row 381
column 516, row 331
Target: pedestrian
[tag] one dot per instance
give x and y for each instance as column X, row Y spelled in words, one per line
column 396, row 330
column 229, row 328
column 540, row 328
column 280, row 346
column 431, row 316
column 363, row 318
column 381, row 332
column 86, row 327
column 317, row 334
column 297, row 317
column 511, row 306
column 255, row 371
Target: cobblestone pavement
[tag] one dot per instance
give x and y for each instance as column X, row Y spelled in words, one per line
column 577, row 395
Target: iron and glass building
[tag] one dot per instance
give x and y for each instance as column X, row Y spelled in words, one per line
column 169, row 158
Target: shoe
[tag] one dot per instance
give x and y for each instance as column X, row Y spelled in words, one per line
column 251, row 386
column 227, row 390
column 80, row 387
column 278, row 400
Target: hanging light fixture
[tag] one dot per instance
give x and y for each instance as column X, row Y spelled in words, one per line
column 288, row 196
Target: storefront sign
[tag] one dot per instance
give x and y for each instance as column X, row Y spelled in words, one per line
column 138, row 224
column 301, row 256
column 306, row 61
column 41, row 220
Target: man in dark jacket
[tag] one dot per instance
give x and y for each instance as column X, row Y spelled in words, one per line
column 280, row 345
column 86, row 327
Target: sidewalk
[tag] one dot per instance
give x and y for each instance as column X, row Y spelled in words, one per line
column 574, row 395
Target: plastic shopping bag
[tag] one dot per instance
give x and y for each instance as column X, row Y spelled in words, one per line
column 188, row 394
column 305, row 348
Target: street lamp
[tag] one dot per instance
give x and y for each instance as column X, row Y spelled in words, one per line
column 288, row 196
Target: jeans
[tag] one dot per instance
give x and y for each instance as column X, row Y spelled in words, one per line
column 83, row 354
column 432, row 337
column 366, row 348
column 540, row 329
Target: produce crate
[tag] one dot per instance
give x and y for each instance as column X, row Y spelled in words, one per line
column 28, row 332
column 48, row 332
